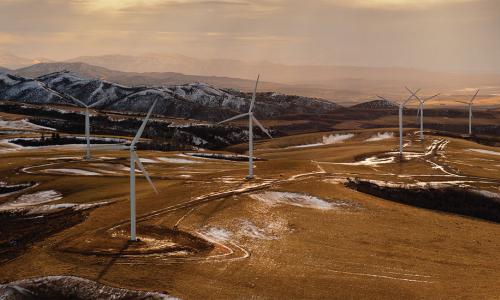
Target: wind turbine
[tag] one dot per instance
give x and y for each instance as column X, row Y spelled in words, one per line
column 421, row 110
column 251, row 119
column 87, row 121
column 470, row 110
column 134, row 159
column 87, row 117
column 401, row 106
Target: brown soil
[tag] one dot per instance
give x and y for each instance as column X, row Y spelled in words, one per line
column 18, row 231
column 151, row 239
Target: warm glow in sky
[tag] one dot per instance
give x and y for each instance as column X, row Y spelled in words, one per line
column 402, row 3
column 431, row 34
column 118, row 4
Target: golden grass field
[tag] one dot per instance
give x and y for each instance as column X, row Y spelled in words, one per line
column 337, row 243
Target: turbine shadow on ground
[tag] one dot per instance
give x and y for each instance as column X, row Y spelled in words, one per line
column 113, row 259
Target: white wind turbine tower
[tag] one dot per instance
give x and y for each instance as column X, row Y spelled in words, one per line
column 87, row 121
column 401, row 106
column 251, row 119
column 470, row 110
column 87, row 107
column 420, row 110
column 134, row 159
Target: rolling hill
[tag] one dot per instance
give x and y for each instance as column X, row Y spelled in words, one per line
column 146, row 78
column 11, row 61
column 193, row 100
column 338, row 80
column 376, row 104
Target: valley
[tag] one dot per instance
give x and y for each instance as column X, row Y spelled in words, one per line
column 301, row 214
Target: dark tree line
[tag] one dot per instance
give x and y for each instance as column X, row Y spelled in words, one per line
column 162, row 136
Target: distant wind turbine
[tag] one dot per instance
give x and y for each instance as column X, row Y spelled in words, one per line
column 470, row 110
column 401, row 107
column 134, row 159
column 87, row 121
column 421, row 110
column 87, row 117
column 251, row 119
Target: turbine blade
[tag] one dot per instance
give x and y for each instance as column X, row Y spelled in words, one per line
column 143, row 125
column 252, row 104
column 98, row 102
column 62, row 95
column 76, row 100
column 234, row 118
column 261, row 127
column 413, row 94
column 409, row 91
column 475, row 95
column 431, row 97
column 382, row 98
column 146, row 174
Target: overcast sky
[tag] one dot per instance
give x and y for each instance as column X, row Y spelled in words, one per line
column 429, row 34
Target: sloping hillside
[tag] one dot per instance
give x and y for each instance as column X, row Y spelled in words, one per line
column 376, row 104
column 194, row 100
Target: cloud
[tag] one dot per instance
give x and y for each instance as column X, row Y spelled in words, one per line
column 141, row 6
column 435, row 34
column 7, row 38
column 398, row 4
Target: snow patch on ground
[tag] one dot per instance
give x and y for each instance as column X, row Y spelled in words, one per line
column 488, row 194
column 177, row 160
column 34, row 204
column 71, row 287
column 218, row 234
column 22, row 125
column 420, row 185
column 6, row 146
column 249, row 229
column 336, row 180
column 65, row 158
column 381, row 136
column 337, row 138
column 15, row 188
column 484, row 151
column 273, row 198
column 51, row 208
column 328, row 140
column 371, row 161
column 434, row 146
column 148, row 161
column 32, row 199
column 71, row 172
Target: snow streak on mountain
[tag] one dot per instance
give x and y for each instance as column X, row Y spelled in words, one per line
column 194, row 100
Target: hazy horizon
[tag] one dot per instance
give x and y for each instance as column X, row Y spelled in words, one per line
column 440, row 35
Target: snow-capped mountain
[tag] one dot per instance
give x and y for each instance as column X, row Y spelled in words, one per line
column 376, row 104
column 16, row 88
column 194, row 100
column 279, row 104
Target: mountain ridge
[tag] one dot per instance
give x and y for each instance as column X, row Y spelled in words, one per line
column 11, row 61
column 194, row 100
column 275, row 72
column 376, row 104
